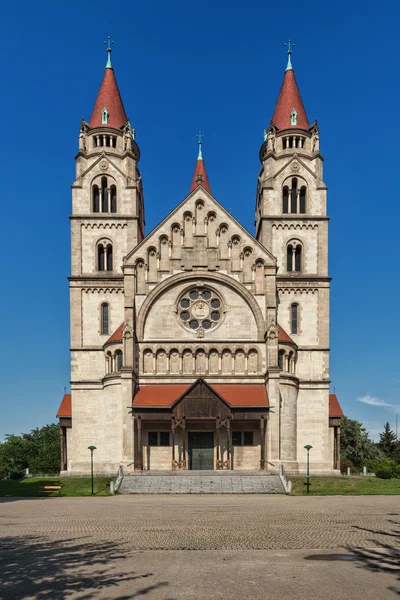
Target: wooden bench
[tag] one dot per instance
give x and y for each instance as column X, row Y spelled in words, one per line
column 48, row 489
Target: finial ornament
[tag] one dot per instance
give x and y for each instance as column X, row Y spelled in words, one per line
column 200, row 142
column 289, row 46
column 109, row 50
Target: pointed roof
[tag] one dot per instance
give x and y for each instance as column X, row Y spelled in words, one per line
column 117, row 335
column 110, row 99
column 283, row 336
column 200, row 173
column 65, row 409
column 290, row 99
column 335, row 409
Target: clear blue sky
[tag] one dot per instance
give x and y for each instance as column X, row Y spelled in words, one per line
column 218, row 66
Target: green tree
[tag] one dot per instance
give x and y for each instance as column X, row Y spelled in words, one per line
column 355, row 443
column 388, row 441
column 38, row 450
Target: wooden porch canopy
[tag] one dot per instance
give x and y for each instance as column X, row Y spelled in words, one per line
column 199, row 402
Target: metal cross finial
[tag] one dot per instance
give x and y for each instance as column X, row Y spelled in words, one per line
column 289, row 46
column 109, row 50
column 200, row 142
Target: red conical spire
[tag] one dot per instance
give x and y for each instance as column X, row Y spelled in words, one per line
column 200, row 173
column 109, row 99
column 289, row 110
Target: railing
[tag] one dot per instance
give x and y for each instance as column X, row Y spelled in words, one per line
column 287, row 485
column 115, row 485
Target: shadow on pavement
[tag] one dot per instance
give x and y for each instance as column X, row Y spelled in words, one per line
column 32, row 567
column 381, row 557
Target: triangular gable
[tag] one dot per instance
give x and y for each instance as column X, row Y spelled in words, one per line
column 200, row 192
column 102, row 156
column 296, row 158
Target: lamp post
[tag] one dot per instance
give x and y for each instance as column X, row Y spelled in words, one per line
column 308, row 448
column 92, row 449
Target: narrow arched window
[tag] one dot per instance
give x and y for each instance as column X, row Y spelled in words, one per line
column 109, row 258
column 281, row 357
column 104, row 195
column 100, row 257
column 285, row 207
column 289, row 258
column 104, row 319
column 293, row 117
column 113, row 193
column 96, row 199
column 293, row 204
column 104, row 116
column 303, row 199
column 119, row 360
column 294, row 318
column 297, row 259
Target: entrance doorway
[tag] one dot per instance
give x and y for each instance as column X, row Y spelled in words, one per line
column 201, row 450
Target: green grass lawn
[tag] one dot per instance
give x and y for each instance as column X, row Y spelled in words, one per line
column 70, row 486
column 345, row 486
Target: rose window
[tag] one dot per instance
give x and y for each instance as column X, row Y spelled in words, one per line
column 200, row 308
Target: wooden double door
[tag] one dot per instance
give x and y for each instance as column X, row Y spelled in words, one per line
column 201, row 450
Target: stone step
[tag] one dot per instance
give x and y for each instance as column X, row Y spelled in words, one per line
column 202, row 484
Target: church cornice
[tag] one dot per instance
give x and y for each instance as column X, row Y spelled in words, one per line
column 303, row 279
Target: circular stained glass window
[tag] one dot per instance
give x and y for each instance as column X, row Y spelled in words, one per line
column 185, row 303
column 199, row 309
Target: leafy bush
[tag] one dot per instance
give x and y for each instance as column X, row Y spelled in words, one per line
column 16, row 475
column 344, row 464
column 384, row 473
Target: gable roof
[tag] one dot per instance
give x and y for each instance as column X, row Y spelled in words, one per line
column 164, row 395
column 284, row 337
column 289, row 98
column 109, row 98
column 117, row 335
column 65, row 409
column 334, row 406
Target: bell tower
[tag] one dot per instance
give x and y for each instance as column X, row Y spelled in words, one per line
column 292, row 222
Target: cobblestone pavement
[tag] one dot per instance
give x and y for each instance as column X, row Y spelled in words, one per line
column 133, row 546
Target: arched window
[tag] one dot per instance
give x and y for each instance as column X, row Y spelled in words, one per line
column 293, row 207
column 96, row 199
column 293, row 117
column 285, row 207
column 119, row 360
column 104, row 194
column 297, row 259
column 100, row 257
column 289, row 258
column 113, row 193
column 104, row 116
column 281, row 357
column 303, row 199
column 109, row 258
column 294, row 317
column 104, row 318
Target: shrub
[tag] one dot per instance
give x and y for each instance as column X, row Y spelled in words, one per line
column 344, row 464
column 16, row 475
column 385, row 464
column 384, row 473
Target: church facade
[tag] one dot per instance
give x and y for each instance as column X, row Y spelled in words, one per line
column 199, row 346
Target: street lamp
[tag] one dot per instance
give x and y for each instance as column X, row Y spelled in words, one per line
column 92, row 449
column 308, row 448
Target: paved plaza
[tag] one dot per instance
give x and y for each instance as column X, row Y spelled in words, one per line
column 205, row 547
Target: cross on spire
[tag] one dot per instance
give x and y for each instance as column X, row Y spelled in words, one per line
column 289, row 46
column 109, row 50
column 200, row 142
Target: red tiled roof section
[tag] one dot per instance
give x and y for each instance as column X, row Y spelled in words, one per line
column 164, row 395
column 334, row 406
column 117, row 335
column 242, row 394
column 65, row 409
column 284, row 337
column 109, row 98
column 289, row 99
column 159, row 395
column 200, row 171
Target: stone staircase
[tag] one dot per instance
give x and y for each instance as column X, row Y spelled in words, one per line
column 201, row 482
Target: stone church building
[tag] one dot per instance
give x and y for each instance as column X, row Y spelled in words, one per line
column 199, row 345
